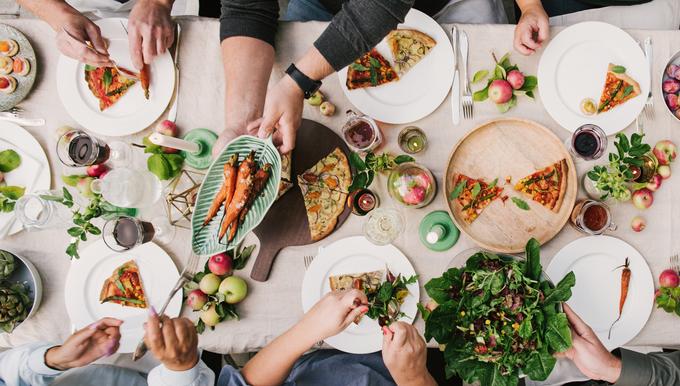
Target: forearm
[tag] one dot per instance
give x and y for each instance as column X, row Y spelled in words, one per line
column 525, row 4
column 272, row 364
column 656, row 369
column 51, row 11
column 314, row 65
column 25, row 365
column 246, row 79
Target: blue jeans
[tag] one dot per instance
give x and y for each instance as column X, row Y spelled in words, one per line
column 306, row 10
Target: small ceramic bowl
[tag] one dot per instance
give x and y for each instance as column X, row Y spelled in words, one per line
column 25, row 272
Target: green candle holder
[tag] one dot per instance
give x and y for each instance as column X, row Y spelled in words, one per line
column 205, row 139
column 438, row 232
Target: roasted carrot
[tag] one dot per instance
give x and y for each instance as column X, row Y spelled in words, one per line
column 259, row 181
column 226, row 190
column 145, row 79
column 625, row 283
column 244, row 183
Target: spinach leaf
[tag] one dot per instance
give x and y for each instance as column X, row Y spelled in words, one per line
column 9, row 160
column 539, row 365
column 438, row 289
column 532, row 267
column 520, row 203
column 562, row 291
column 358, row 67
column 558, row 334
column 455, row 193
column 439, row 324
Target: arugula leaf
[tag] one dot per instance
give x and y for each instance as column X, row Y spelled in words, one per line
column 358, row 67
column 619, row 69
column 9, row 160
column 520, row 203
column 476, row 189
column 479, row 76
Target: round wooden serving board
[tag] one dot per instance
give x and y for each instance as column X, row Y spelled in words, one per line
column 285, row 224
column 512, row 148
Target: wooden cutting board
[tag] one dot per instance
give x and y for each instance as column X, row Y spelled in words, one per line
column 512, row 148
column 285, row 224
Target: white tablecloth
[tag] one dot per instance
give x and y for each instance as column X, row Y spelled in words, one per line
column 275, row 305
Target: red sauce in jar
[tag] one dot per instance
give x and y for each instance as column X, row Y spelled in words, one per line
column 361, row 134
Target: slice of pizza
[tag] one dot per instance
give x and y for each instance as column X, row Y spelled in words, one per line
column 473, row 196
column 618, row 88
column 547, row 186
column 323, row 207
column 370, row 70
column 286, row 170
column 107, row 85
column 332, row 172
column 408, row 47
column 124, row 287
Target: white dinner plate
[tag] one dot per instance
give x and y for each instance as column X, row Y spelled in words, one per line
column 357, row 255
column 33, row 173
column 97, row 262
column 574, row 66
column 132, row 112
column 418, row 92
column 595, row 297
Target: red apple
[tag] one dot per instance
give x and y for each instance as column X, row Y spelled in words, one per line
column 643, row 198
column 638, row 224
column 655, row 183
column 516, row 79
column 500, row 91
column 669, row 278
column 220, row 264
column 197, row 299
column 167, row 128
column 665, row 152
column 96, row 171
column 664, row 171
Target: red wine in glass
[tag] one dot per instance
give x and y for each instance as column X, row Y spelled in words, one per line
column 77, row 148
column 124, row 233
column 588, row 142
column 84, row 151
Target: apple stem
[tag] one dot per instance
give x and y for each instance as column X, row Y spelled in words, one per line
column 494, row 57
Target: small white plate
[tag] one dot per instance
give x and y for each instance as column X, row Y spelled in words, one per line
column 574, row 66
column 33, row 173
column 595, row 297
column 87, row 275
column 418, row 92
column 132, row 112
column 357, row 255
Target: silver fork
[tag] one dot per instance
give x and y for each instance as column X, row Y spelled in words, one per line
column 649, row 104
column 186, row 276
column 675, row 263
column 467, row 93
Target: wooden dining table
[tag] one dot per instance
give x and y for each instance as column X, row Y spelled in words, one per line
column 275, row 305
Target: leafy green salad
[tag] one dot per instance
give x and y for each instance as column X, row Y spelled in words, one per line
column 497, row 318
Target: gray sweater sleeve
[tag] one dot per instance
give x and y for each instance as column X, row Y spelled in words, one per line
column 655, row 369
column 358, row 27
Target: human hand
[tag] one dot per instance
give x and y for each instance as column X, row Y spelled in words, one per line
column 333, row 313
column 405, row 355
column 588, row 353
column 86, row 346
column 82, row 29
column 283, row 113
column 233, row 131
column 150, row 30
column 532, row 29
column 175, row 344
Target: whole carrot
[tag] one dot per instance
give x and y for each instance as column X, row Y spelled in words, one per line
column 145, row 79
column 226, row 191
column 625, row 283
column 244, row 183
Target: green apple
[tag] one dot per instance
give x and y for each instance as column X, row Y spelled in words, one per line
column 210, row 316
column 234, row 289
column 209, row 284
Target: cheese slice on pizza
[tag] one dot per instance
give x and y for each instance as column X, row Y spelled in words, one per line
column 408, row 47
column 124, row 287
column 547, row 186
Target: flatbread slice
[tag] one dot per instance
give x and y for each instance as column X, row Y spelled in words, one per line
column 369, row 282
column 323, row 207
column 473, row 196
column 618, row 88
column 107, row 85
column 286, row 170
column 370, row 70
column 408, row 47
column 547, row 186
column 124, row 287
column 332, row 172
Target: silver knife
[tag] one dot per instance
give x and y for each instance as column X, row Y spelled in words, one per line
column 647, row 44
column 24, row 121
column 172, row 113
column 455, row 87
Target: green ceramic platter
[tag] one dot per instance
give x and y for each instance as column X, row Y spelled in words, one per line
column 204, row 239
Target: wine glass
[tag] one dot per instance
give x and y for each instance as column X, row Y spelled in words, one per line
column 76, row 148
column 383, row 225
column 125, row 233
column 128, row 188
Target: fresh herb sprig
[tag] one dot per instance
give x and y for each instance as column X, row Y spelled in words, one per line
column 384, row 305
column 367, row 168
column 613, row 179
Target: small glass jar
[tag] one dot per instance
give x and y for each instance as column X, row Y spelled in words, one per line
column 361, row 132
column 363, row 201
column 37, row 212
column 383, row 226
column 592, row 217
column 412, row 185
column 412, row 140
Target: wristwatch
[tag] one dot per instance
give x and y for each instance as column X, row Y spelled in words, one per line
column 308, row 86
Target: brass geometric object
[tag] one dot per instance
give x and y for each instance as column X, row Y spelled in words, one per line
column 181, row 197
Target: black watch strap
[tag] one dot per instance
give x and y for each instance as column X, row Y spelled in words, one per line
column 308, row 86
